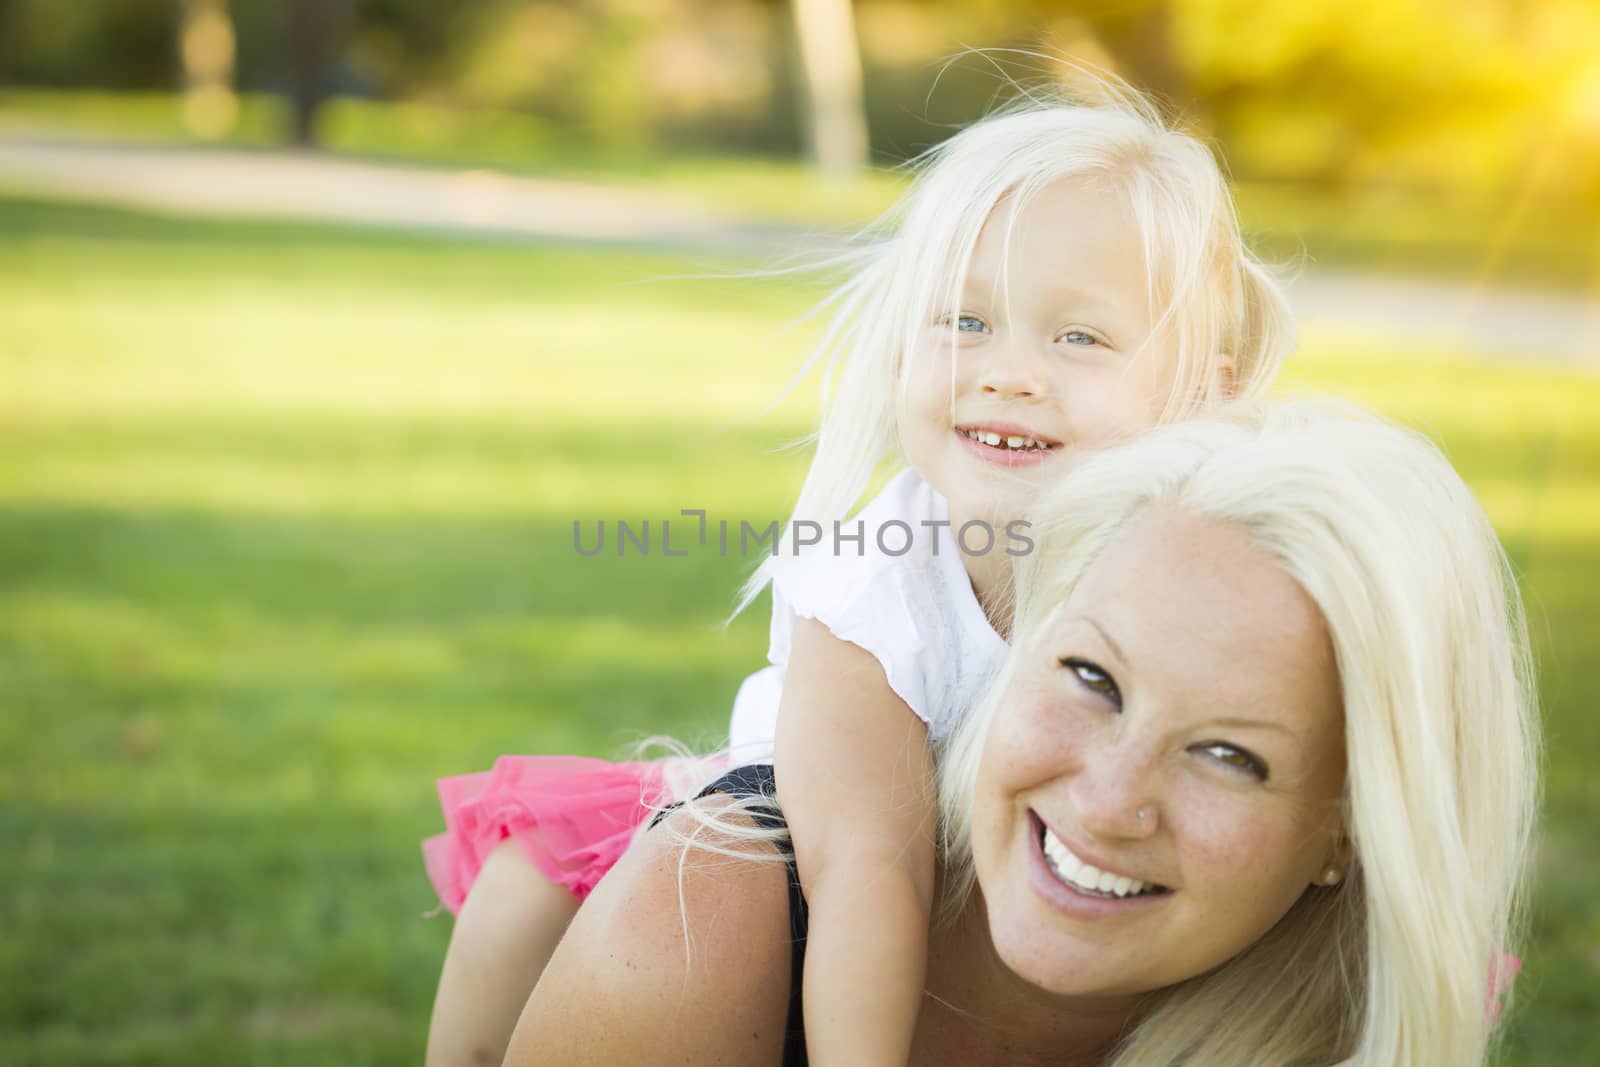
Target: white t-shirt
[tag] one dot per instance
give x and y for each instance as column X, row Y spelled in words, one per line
column 915, row 612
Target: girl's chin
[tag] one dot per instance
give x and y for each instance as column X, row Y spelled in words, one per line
column 998, row 506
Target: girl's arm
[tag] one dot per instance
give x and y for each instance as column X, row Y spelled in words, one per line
column 647, row 976
column 855, row 782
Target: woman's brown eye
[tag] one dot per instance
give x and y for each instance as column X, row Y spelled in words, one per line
column 1093, row 678
column 1238, row 759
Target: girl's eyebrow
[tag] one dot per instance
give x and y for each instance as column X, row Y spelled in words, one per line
column 1094, row 300
column 1081, row 298
column 975, row 282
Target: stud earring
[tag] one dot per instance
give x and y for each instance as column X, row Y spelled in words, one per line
column 1331, row 876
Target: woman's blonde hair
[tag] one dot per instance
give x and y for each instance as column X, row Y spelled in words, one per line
column 1392, row 965
column 1207, row 292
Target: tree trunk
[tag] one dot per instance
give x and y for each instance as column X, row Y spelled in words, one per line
column 206, row 47
column 10, row 24
column 831, row 60
column 314, row 29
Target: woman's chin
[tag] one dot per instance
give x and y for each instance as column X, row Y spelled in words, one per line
column 1038, row 949
column 1069, row 943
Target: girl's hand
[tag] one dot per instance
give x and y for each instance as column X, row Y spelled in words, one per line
column 855, row 780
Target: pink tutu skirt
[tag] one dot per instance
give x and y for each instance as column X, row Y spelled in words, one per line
column 572, row 816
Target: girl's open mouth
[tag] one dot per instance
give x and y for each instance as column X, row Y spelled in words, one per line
column 1009, row 449
column 1009, row 442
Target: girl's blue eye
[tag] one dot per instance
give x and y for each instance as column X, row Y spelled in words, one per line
column 965, row 322
column 1080, row 337
column 1236, row 758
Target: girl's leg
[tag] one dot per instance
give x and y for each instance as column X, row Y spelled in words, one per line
column 506, row 930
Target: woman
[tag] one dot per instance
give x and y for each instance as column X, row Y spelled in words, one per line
column 1254, row 786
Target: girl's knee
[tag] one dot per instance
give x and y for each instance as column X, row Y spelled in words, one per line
column 510, row 888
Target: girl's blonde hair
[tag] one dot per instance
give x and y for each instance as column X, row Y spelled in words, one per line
column 1392, row 965
column 1207, row 292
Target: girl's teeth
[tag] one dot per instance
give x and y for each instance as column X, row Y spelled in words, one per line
column 994, row 440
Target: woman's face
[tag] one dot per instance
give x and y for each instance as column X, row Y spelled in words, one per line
column 1190, row 677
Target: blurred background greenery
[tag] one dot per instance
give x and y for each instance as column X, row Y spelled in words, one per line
column 286, row 506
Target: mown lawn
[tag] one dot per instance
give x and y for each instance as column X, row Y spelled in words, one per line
column 286, row 533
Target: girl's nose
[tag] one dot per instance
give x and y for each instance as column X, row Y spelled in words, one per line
column 1012, row 371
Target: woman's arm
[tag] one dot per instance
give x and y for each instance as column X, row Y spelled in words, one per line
column 855, row 781
column 626, row 986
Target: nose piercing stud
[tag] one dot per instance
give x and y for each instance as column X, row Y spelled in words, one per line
column 1141, row 813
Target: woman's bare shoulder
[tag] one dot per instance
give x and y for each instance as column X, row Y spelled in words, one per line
column 681, row 954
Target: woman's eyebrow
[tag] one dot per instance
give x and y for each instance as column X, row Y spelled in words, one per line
column 1236, row 721
column 1107, row 638
column 1297, row 744
column 1258, row 724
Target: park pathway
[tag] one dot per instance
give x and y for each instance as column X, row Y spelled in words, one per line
column 241, row 183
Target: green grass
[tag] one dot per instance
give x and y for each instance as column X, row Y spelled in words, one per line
column 285, row 528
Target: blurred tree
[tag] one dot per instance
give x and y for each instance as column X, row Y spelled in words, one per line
column 206, row 47
column 108, row 44
column 1134, row 38
column 411, row 46
column 1458, row 94
column 1345, row 91
column 831, row 61
column 315, row 31
column 9, row 19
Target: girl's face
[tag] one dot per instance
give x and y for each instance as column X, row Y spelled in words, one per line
column 1190, row 677
column 1054, row 351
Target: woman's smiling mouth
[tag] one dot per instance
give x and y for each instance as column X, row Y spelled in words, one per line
column 1082, row 880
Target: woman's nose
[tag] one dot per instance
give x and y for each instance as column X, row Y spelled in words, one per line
column 1116, row 793
column 1012, row 370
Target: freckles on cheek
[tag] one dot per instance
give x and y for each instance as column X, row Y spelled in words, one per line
column 1032, row 742
column 1231, row 843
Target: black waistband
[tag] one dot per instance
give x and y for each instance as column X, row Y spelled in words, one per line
column 756, row 780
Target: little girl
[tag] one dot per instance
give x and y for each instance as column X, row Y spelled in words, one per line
column 1060, row 276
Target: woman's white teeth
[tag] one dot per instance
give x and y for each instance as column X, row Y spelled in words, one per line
column 1081, row 875
column 994, row 440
